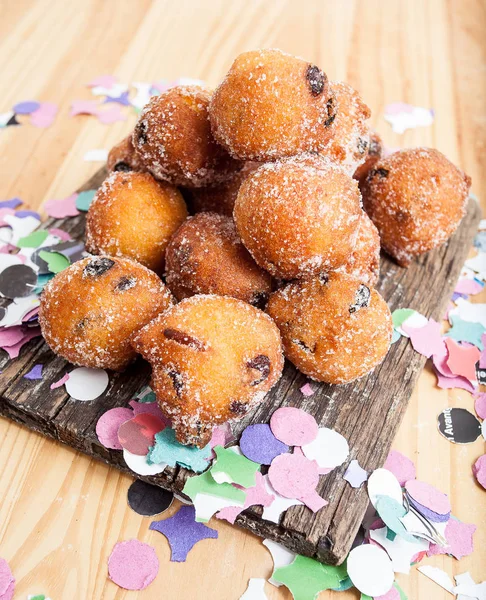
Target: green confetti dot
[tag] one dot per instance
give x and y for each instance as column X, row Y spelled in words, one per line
column 84, row 199
column 56, row 262
column 400, row 315
column 306, row 577
column 230, row 467
column 205, row 484
column 33, row 240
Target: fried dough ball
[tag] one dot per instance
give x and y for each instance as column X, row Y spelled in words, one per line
column 349, row 132
column 89, row 311
column 298, row 217
column 221, row 198
column 134, row 216
column 173, row 140
column 416, row 198
column 364, row 261
column 271, row 105
column 122, row 157
column 206, row 256
column 375, row 152
column 334, row 330
column 213, row 358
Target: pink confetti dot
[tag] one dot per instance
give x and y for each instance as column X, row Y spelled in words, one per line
column 293, row 426
column 480, row 405
column 6, row 578
column 428, row 496
column 479, row 470
column 401, row 466
column 133, row 565
column 392, row 594
column 108, row 425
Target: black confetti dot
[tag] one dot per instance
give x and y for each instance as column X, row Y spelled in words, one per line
column 17, row 281
column 148, row 500
column 459, row 426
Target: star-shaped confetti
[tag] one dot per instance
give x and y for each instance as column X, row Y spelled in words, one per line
column 426, row 340
column 121, row 99
column 306, row 577
column 183, row 532
column 466, row 331
column 355, row 475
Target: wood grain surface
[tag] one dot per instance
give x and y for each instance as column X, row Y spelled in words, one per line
column 61, row 513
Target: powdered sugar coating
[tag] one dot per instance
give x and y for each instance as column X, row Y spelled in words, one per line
column 206, row 256
column 375, row 152
column 416, row 198
column 122, row 157
column 89, row 311
column 173, row 140
column 298, row 216
column 213, row 358
column 364, row 262
column 349, row 133
column 134, row 216
column 334, row 331
column 271, row 105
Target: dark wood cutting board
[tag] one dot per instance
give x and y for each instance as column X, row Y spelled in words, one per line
column 367, row 412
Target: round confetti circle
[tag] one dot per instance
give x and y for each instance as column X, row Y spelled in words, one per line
column 293, row 475
column 293, row 426
column 17, row 281
column 370, row 570
column 108, row 425
column 148, row 500
column 258, row 443
column 86, row 384
column 133, row 565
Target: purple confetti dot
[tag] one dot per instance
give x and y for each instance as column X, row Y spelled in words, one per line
column 27, row 213
column 12, row 203
column 34, row 373
column 260, row 445
column 26, row 108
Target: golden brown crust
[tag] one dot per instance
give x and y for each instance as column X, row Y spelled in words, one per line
column 89, row 311
column 213, row 359
column 122, row 157
column 298, row 216
column 364, row 261
column 375, row 152
column 334, row 331
column 271, row 105
column 416, row 198
column 206, row 256
column 173, row 140
column 134, row 216
column 349, row 133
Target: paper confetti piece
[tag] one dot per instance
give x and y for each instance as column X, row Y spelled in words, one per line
column 463, row 579
column 8, row 119
column 115, row 89
column 18, row 309
column 426, row 340
column 10, row 203
column 468, row 591
column 60, row 209
column 479, row 404
column 87, row 384
column 7, row 579
column 466, row 331
column 107, row 81
column 478, row 264
column 112, row 115
column 96, row 155
column 148, row 500
column 14, row 350
column 468, row 311
column 62, row 235
column 84, row 107
column 60, row 382
column 17, row 281
column 45, row 115
column 402, row 116
column 26, row 107
column 479, row 470
column 295, row 476
column 401, row 466
column 33, row 240
column 409, row 317
column 462, row 359
column 281, row 557
column 123, row 99
column 210, row 497
column 168, row 450
column 11, row 336
column 370, row 570
column 133, row 565
column 293, row 426
column 56, row 262
column 355, row 475
column 424, row 494
column 392, row 594
column 21, row 226
column 307, row 390
column 108, row 425
column 306, row 577
column 459, row 537
column 34, row 373
column 258, row 444
column 329, row 449
column 84, row 199
column 138, row 464
column 399, row 550
column 255, row 590
column 439, row 576
column 230, row 467
column 279, row 505
column 445, row 378
column 183, row 532
column 138, row 434
column 391, row 513
column 384, row 483
column 258, row 495
column 151, row 408
column 459, row 426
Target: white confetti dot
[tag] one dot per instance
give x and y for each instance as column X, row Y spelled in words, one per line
column 86, row 384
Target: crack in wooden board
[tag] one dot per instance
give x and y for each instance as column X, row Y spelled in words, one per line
column 369, row 410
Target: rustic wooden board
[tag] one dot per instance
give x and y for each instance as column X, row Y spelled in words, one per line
column 367, row 412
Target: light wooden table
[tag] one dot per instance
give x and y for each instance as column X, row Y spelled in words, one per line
column 61, row 513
